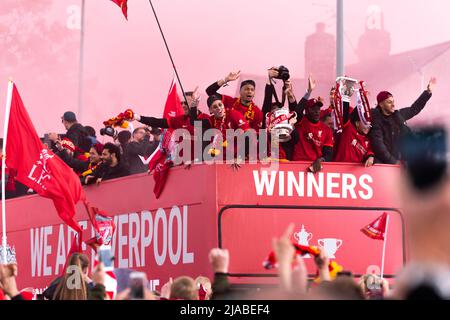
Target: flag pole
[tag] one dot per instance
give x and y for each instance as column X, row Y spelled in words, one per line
column 81, row 64
column 168, row 51
column 384, row 246
column 5, row 136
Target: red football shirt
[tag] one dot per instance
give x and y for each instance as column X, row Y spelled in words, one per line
column 353, row 146
column 252, row 113
column 312, row 138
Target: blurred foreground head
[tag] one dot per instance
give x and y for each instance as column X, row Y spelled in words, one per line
column 425, row 191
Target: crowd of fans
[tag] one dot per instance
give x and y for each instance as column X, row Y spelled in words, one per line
column 316, row 136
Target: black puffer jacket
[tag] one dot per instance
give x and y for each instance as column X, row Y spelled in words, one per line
column 79, row 136
column 387, row 130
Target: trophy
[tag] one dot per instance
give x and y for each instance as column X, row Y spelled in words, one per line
column 280, row 123
column 345, row 88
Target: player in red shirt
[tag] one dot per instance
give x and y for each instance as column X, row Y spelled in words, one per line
column 244, row 104
column 354, row 145
column 221, row 118
column 315, row 138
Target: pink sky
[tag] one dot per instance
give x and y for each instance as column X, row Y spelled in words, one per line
column 126, row 64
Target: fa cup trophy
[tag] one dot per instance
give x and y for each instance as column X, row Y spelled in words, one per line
column 280, row 123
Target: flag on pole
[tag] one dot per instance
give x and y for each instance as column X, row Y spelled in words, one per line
column 123, row 5
column 103, row 225
column 161, row 159
column 376, row 229
column 173, row 107
column 37, row 167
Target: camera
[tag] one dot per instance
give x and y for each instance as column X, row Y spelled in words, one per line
column 108, row 131
column 283, row 73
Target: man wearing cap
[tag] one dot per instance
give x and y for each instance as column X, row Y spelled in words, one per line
column 75, row 131
column 388, row 124
column 315, row 138
column 244, row 104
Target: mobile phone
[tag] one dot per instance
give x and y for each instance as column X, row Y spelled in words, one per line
column 105, row 256
column 137, row 284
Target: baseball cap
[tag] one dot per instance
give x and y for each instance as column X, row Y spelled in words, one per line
column 313, row 102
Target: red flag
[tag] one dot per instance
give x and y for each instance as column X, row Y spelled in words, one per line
column 377, row 228
column 122, row 4
column 173, row 107
column 161, row 161
column 103, row 225
column 39, row 168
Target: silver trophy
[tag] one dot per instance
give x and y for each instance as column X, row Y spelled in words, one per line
column 346, row 86
column 280, row 122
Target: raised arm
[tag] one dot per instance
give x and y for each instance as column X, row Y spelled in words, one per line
column 212, row 89
column 300, row 106
column 419, row 104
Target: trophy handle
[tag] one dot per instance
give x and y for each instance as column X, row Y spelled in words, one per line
column 339, row 243
column 292, row 116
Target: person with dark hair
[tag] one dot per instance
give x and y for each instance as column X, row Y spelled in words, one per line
column 285, row 152
column 326, row 115
column 315, row 138
column 389, row 125
column 91, row 134
column 95, row 160
column 112, row 167
column 354, row 144
column 244, row 104
column 139, row 146
column 75, row 131
column 220, row 119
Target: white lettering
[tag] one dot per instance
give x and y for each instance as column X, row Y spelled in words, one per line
column 369, row 194
column 134, row 238
column 121, row 241
column 47, row 250
column 61, row 250
column 146, row 238
column 348, row 187
column 36, row 251
column 312, row 182
column 281, row 183
column 188, row 257
column 299, row 185
column 175, row 213
column 263, row 183
column 160, row 216
column 332, row 185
